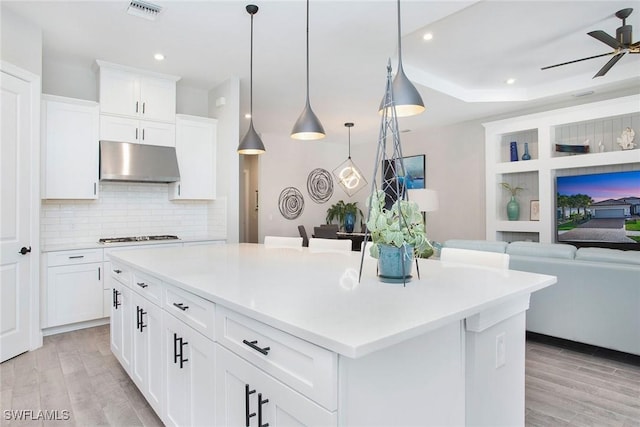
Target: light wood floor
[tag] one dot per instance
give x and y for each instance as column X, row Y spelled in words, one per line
column 567, row 384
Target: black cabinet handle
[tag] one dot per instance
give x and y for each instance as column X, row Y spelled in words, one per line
column 142, row 325
column 117, row 302
column 175, row 348
column 253, row 345
column 143, row 108
column 260, row 403
column 181, row 306
column 177, row 355
column 113, row 298
column 182, row 344
column 142, row 284
column 76, row 257
column 136, row 106
column 24, row 250
column 248, row 414
column 99, row 273
column 138, row 321
column 143, row 134
column 117, row 271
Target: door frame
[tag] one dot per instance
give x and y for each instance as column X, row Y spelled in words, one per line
column 34, row 81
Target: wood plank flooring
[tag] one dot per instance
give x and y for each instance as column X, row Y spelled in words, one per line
column 567, row 384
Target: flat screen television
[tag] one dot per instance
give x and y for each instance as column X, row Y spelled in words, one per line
column 601, row 210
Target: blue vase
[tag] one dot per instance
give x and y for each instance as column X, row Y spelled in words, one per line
column 394, row 264
column 349, row 222
column 526, row 155
column 513, row 149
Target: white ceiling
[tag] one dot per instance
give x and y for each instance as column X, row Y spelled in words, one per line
column 461, row 73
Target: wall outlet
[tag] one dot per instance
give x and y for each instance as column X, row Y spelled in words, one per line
column 501, row 357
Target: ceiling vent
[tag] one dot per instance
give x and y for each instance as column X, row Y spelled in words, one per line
column 144, row 10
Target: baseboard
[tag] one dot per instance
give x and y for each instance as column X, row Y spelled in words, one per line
column 579, row 347
column 75, row 326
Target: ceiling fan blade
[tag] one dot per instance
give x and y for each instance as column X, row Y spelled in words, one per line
column 608, row 65
column 605, row 38
column 577, row 60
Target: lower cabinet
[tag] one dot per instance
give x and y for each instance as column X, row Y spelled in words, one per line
column 189, row 372
column 247, row 396
column 147, row 359
column 121, row 321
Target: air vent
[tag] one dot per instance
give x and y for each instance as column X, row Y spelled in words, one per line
column 144, row 10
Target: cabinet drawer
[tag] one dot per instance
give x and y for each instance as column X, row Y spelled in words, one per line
column 121, row 273
column 191, row 309
column 83, row 256
column 147, row 286
column 307, row 368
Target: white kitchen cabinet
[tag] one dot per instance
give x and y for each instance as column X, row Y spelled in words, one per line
column 123, row 129
column 247, row 396
column 126, row 91
column 73, row 287
column 70, row 133
column 147, row 357
column 196, row 152
column 121, row 321
column 189, row 373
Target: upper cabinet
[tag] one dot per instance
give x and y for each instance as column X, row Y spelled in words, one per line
column 196, row 152
column 69, row 148
column 125, row 91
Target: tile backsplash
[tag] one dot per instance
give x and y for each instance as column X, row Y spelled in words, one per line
column 130, row 209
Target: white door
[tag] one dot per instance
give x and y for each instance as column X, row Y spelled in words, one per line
column 15, row 214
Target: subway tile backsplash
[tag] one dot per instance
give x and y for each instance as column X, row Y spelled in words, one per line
column 130, row 209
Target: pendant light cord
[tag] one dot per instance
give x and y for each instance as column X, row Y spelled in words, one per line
column 349, row 141
column 307, row 51
column 399, row 39
column 251, row 73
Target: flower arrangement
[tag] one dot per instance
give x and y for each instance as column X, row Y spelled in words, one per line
column 511, row 189
column 400, row 225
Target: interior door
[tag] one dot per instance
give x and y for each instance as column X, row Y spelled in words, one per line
column 15, row 192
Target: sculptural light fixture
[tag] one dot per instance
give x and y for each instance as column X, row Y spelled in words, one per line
column 347, row 174
column 251, row 143
column 407, row 100
column 308, row 125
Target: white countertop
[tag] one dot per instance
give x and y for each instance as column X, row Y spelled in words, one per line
column 98, row 245
column 317, row 297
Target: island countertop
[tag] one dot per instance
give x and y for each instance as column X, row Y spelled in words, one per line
column 317, row 296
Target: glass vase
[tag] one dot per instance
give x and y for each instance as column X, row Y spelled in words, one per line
column 513, row 209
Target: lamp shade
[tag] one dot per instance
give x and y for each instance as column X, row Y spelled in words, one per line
column 308, row 126
column 251, row 144
column 406, row 97
column 426, row 199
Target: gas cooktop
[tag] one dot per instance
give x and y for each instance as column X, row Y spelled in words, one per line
column 137, row 239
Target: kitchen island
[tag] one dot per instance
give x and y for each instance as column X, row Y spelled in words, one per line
column 248, row 335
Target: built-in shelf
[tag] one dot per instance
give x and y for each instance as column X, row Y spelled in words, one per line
column 601, row 123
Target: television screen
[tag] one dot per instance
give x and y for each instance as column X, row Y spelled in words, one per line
column 599, row 210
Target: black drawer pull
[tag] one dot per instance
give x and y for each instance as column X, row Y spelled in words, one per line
column 248, row 413
column 116, row 302
column 181, row 306
column 76, row 257
column 260, row 403
column 253, row 345
column 142, row 284
column 117, row 271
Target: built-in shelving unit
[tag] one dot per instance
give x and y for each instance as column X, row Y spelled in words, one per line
column 597, row 125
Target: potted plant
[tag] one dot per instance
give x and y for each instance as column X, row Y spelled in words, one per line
column 345, row 213
column 513, row 207
column 398, row 235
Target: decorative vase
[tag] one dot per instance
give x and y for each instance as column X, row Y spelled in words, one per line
column 349, row 222
column 513, row 209
column 526, row 155
column 394, row 264
column 513, row 148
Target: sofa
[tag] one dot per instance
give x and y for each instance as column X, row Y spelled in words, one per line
column 596, row 299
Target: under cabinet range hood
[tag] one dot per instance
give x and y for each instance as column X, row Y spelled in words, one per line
column 123, row 161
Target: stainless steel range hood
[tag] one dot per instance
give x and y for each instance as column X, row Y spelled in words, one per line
column 123, row 161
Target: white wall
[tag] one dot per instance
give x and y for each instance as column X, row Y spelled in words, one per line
column 20, row 42
column 227, row 166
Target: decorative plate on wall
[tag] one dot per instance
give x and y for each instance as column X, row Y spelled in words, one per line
column 320, row 185
column 291, row 203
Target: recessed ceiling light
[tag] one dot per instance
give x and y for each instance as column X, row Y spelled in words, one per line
column 158, row 57
column 247, row 116
column 510, row 81
column 427, row 36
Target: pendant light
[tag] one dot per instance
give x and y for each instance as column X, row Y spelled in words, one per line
column 308, row 125
column 251, row 143
column 347, row 174
column 406, row 98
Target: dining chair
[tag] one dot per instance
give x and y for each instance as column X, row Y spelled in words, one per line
column 326, row 231
column 329, row 245
column 471, row 257
column 282, row 242
column 303, row 234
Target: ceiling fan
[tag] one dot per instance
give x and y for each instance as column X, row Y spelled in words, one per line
column 621, row 44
